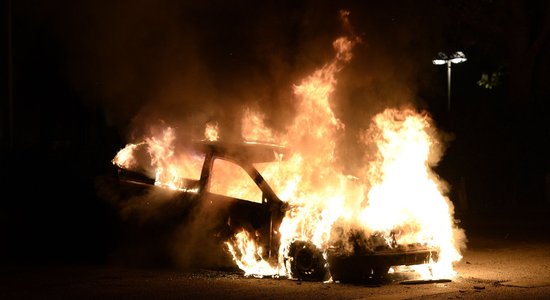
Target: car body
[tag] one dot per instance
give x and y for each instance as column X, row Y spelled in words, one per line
column 222, row 216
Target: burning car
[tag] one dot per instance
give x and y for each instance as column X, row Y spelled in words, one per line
column 313, row 212
column 226, row 212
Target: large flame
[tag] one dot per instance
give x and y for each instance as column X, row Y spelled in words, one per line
column 406, row 197
column 397, row 195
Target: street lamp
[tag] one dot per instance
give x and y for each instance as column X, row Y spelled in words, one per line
column 443, row 59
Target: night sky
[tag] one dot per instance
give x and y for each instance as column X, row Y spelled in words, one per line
column 86, row 77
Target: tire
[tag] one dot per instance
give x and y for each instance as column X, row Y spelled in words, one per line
column 306, row 262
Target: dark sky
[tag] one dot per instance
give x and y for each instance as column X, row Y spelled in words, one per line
column 89, row 76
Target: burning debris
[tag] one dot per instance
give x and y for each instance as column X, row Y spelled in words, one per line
column 295, row 213
column 211, row 132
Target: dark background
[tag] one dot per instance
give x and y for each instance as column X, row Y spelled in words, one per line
column 83, row 78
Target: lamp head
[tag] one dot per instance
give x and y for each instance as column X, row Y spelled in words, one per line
column 441, row 59
column 458, row 57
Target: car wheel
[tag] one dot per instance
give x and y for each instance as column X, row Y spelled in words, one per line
column 306, row 262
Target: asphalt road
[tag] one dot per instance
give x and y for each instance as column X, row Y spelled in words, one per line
column 501, row 262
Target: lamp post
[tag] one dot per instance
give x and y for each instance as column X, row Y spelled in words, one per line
column 443, row 59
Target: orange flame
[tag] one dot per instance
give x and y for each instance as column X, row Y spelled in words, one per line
column 399, row 196
column 170, row 170
column 125, row 157
column 211, row 131
column 315, row 188
column 254, row 129
column 248, row 255
column 406, row 195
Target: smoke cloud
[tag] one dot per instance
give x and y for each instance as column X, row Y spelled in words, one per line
column 190, row 63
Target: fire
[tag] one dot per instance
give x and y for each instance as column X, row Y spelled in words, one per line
column 397, row 196
column 211, row 132
column 406, row 195
column 248, row 255
column 254, row 129
column 170, row 169
column 125, row 157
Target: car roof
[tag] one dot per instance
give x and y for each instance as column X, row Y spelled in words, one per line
column 247, row 151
